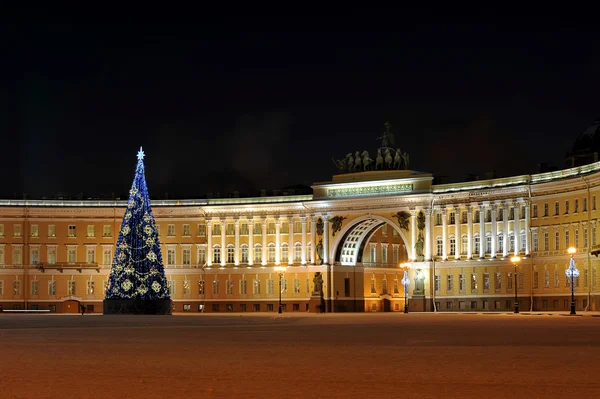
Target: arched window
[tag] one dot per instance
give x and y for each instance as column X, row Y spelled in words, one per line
column 476, row 243
column 217, row 254
column 271, row 252
column 284, row 252
column 524, row 238
column 257, row 253
column 452, row 245
column 488, row 243
column 511, row 237
column 464, row 244
column 297, row 252
column 440, row 246
column 500, row 242
column 244, row 253
column 230, row 253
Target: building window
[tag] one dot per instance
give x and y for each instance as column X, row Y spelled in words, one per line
column 500, row 247
column 546, row 241
column 449, row 283
column 271, row 252
column 473, row 282
column 593, row 202
column 72, row 231
column 509, row 281
column 556, row 208
column 91, row 230
column 284, row 286
column 296, row 286
column 534, row 211
column 585, row 237
column 186, row 230
column 567, row 239
column 171, row 286
column 201, row 230
column 566, row 207
column 476, row 243
column 186, row 256
column 452, row 218
column 244, row 253
column 216, row 287
column 452, row 245
column 51, row 230
column 439, row 246
column 90, row 287
column 535, row 241
column 270, row 287
column 464, row 244
column 106, row 232
column 170, row 230
column 230, row 229
column 576, row 237
column 546, row 279
column 170, row 256
column 523, row 240
column 1, row 230
column 35, row 256
column 91, row 255
column 396, row 253
column 298, row 252
column 257, row 253
column 187, row 307
column 230, row 253
column 535, row 279
column 17, row 230
column 476, row 214
column 373, row 287
column 284, row 252
column 438, row 219
column 243, row 287
column 384, row 253
column 585, row 204
column 17, row 255
column 244, row 229
column 201, row 287
column 576, row 206
column 546, row 209
column 256, row 287
column 106, row 256
column 71, row 287
column 71, row 255
column 373, row 253
column 556, row 279
column 51, row 288
column 35, row 287
column 35, row 231
column 229, row 287
column 437, row 282
column 498, row 277
column 556, row 240
column 464, row 217
column 593, row 234
column 486, row 281
column 216, row 254
column 271, row 228
column 488, row 243
column 462, row 282
column 52, row 255
column 396, row 287
column 511, row 242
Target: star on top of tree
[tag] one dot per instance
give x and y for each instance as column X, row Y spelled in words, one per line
column 140, row 154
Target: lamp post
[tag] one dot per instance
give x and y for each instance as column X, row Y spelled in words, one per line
column 515, row 261
column 571, row 273
column 280, row 270
column 405, row 283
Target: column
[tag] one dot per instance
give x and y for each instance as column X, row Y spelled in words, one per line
column 236, row 254
column 223, row 242
column 326, row 240
column 458, row 238
column 469, row 232
column 303, row 260
column 516, row 225
column 413, row 234
column 265, row 248
column 494, row 232
column 209, row 252
column 427, row 234
column 250, row 242
column 291, row 250
column 527, row 239
column 505, row 227
column 444, row 233
column 481, row 231
column 313, row 239
column 277, row 241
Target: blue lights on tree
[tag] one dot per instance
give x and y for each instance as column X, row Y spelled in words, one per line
column 137, row 270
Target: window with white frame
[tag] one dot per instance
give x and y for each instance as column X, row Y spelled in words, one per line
column 51, row 255
column 534, row 236
column 384, row 254
column 566, row 206
column 449, row 283
column 216, row 230
column 556, row 240
column 567, row 239
column 464, row 244
column 257, row 253
column 284, row 252
column 509, row 281
column 476, row 243
column 244, row 253
column 186, row 287
column 71, row 287
column 309, row 252
column 546, row 279
column 556, row 278
column 106, row 256
column 91, row 255
column 170, row 230
column 187, row 232
column 452, row 245
column 452, row 218
column 473, row 282
column 439, row 246
column 296, row 286
column 229, row 287
column 488, row 243
column 285, row 228
column 511, row 242
column 270, row 287
column 51, row 287
column 91, row 230
column 72, row 231
column 243, row 287
column 373, row 253
column 256, row 287
column 244, row 229
column 498, row 277
column 577, row 237
column 170, row 256
column 34, row 256
column 186, row 256
column 500, row 246
column 396, row 252
column 271, row 252
column 17, row 255
column 202, row 230
column 396, row 286
column 201, row 255
column 35, row 230
column 486, row 281
column 438, row 219
column 556, row 208
column 51, row 230
column 462, row 282
column 106, row 230
column 230, row 229
column 523, row 240
column 284, row 286
column 546, row 209
column 35, row 288
column 373, row 286
column 17, row 230
column 230, row 253
column 546, row 241
column 216, row 254
column 437, row 282
column 297, row 252
column 257, row 228
column 16, row 287
column 90, row 287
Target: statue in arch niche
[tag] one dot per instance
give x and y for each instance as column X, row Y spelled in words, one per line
column 419, row 283
column 318, row 283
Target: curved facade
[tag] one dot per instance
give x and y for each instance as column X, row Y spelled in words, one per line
column 345, row 246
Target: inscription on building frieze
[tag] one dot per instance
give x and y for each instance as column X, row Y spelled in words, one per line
column 369, row 190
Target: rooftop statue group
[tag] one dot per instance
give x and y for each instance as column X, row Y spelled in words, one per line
column 387, row 158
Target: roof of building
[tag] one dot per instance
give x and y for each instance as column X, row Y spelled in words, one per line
column 589, row 139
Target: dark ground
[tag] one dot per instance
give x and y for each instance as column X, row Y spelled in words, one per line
column 299, row 356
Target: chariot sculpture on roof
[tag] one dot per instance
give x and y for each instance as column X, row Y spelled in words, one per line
column 387, row 157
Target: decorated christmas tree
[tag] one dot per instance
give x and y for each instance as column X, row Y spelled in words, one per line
column 137, row 282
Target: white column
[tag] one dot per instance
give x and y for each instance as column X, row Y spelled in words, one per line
column 223, row 242
column 265, row 248
column 277, row 241
column 516, row 229
column 427, row 234
column 494, row 232
column 250, row 242
column 481, row 231
column 457, row 237
column 413, row 234
column 505, row 227
column 236, row 254
column 444, row 233
column 291, row 250
column 209, row 252
column 527, row 243
column 326, row 240
column 469, row 232
column 313, row 239
column 303, row 260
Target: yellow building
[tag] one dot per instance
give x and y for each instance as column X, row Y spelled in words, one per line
column 345, row 246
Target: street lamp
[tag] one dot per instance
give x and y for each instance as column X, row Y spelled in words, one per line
column 405, row 283
column 280, row 270
column 571, row 273
column 515, row 261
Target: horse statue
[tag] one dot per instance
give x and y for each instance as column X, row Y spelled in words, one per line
column 367, row 162
column 340, row 164
column 405, row 157
column 398, row 159
column 388, row 159
column 350, row 162
column 379, row 162
column 357, row 161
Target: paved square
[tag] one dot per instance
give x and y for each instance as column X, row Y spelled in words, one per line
column 300, row 356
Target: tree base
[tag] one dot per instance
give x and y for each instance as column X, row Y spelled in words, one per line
column 137, row 306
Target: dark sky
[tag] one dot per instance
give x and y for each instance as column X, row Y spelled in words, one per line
column 225, row 102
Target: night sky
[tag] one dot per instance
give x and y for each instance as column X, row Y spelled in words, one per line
column 238, row 102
